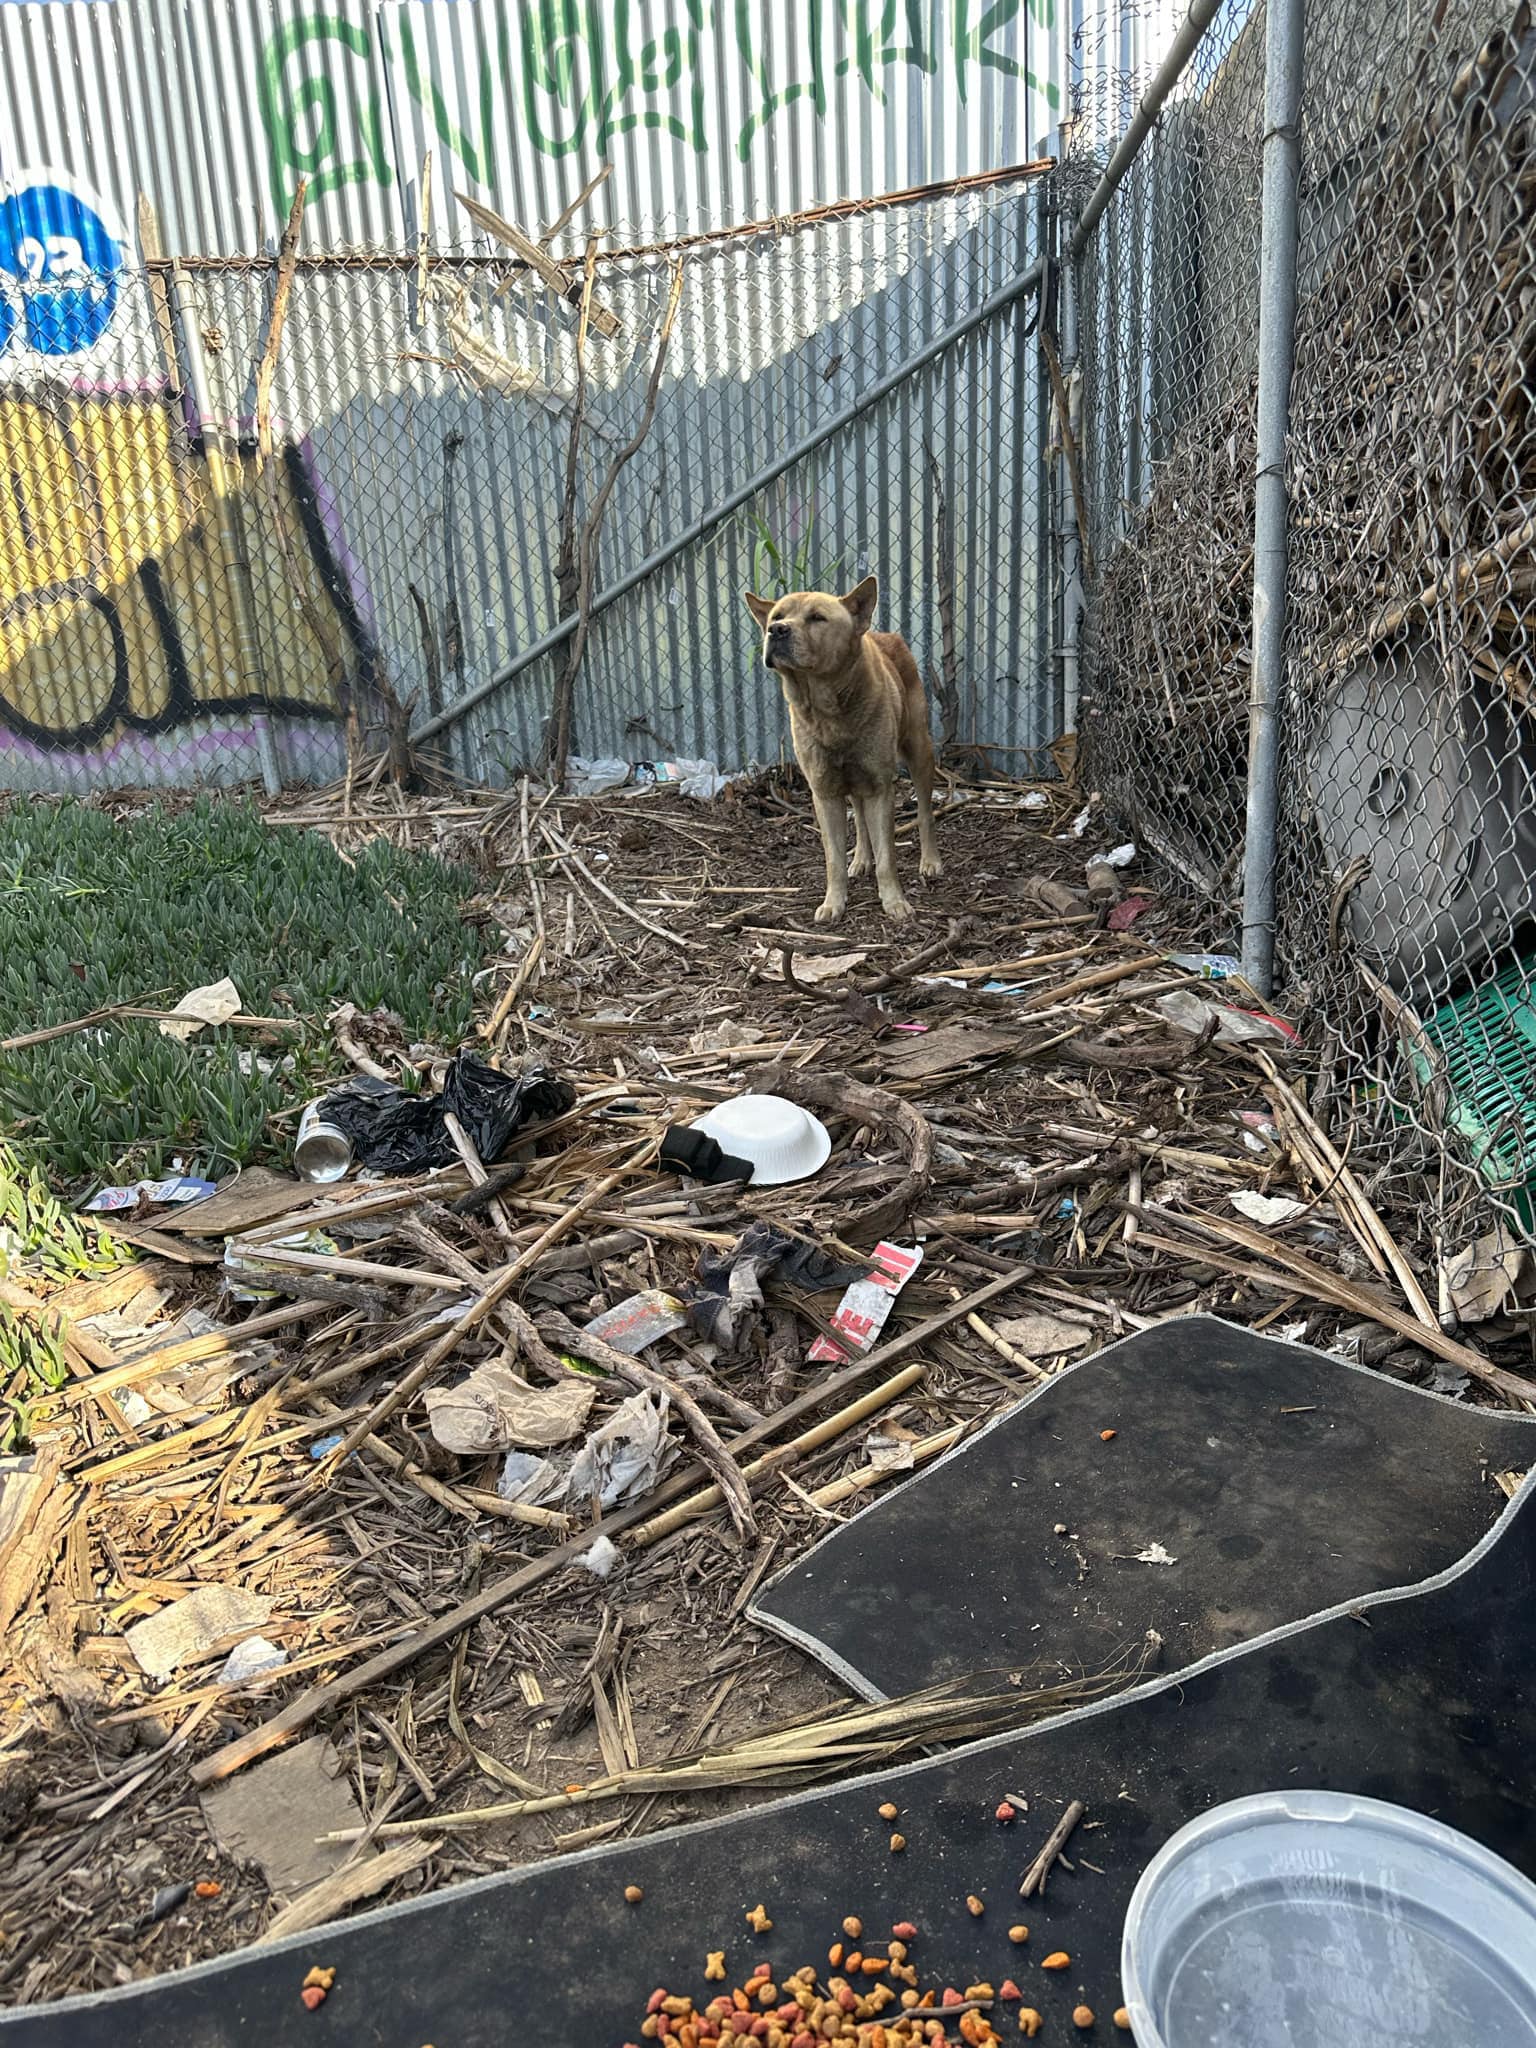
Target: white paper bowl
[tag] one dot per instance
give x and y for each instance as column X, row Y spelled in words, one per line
column 780, row 1140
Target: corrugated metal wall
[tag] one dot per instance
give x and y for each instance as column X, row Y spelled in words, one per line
column 425, row 500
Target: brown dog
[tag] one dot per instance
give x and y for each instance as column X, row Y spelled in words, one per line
column 856, row 707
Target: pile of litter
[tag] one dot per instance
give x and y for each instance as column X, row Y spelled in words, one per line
column 448, row 1484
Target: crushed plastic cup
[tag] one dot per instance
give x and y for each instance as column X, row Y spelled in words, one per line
column 779, row 1140
column 1321, row 1920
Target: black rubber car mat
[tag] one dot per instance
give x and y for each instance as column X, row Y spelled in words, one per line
column 1249, row 1482
column 1425, row 1696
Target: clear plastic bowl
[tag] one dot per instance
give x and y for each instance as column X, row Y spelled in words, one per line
column 1318, row 1920
column 780, row 1140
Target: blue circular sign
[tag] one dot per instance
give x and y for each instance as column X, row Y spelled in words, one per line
column 63, row 265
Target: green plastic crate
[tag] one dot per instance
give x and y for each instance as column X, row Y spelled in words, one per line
column 1487, row 1044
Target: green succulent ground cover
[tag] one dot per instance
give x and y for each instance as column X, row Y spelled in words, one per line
column 94, row 911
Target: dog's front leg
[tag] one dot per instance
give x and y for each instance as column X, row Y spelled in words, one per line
column 879, row 814
column 832, row 823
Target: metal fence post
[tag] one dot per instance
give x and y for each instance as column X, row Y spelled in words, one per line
column 1285, row 36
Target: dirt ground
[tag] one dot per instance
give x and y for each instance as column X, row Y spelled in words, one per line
column 1078, row 1141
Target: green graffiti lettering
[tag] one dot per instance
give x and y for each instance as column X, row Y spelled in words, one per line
column 776, row 97
column 974, row 45
column 297, row 90
column 876, row 44
column 584, row 72
column 428, row 95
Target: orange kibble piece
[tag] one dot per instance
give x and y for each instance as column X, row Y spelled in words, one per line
column 854, row 1963
column 313, row 1996
column 1019, row 1933
column 1059, row 1961
column 898, row 1843
column 873, row 1965
column 207, row 1889
column 976, row 1906
column 1082, row 2016
column 853, row 1927
column 1106, row 1436
column 573, row 1788
column 835, row 1954
column 888, row 1811
column 1122, row 2019
column 1009, row 1990
column 904, row 1931
column 1030, row 2022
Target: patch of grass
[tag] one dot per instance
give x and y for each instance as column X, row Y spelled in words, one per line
column 780, row 567
column 95, row 912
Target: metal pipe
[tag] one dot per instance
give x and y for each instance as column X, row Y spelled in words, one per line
column 1071, row 540
column 1201, row 14
column 1283, row 56
column 237, row 569
column 1027, row 280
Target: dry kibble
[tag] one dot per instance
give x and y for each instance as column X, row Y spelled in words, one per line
column 313, row 1996
column 1122, row 2019
column 758, row 1920
column 898, row 1843
column 888, row 1811
column 633, row 1894
column 323, row 1979
column 1005, row 1812
column 1019, row 1933
column 835, row 1954
column 853, row 1927
column 904, row 1931
column 976, row 1906
column 1059, row 1961
column 714, row 1966
column 1030, row 2022
column 1082, row 2016
column 1106, row 1436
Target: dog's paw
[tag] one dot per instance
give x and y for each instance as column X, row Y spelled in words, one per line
column 896, row 908
column 858, row 866
column 930, row 870
column 830, row 909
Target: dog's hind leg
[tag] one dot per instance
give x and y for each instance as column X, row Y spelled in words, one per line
column 879, row 814
column 860, row 842
column 832, row 823
column 920, row 768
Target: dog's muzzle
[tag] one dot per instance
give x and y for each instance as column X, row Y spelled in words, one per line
column 778, row 646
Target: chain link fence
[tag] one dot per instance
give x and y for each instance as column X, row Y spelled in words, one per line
column 267, row 518
column 1407, row 836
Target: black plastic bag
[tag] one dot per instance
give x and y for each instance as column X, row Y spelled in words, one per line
column 394, row 1132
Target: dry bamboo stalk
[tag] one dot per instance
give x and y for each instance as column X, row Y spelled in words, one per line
column 194, row 1350
column 866, row 1476
column 527, row 968
column 1100, row 978
column 343, row 1268
column 1372, row 1231
column 1325, row 1286
column 786, row 1454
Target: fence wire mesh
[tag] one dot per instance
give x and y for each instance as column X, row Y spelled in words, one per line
column 244, row 544
column 1408, row 782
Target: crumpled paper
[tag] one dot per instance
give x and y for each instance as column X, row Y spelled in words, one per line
column 627, row 1455
column 214, row 1004
column 492, row 1408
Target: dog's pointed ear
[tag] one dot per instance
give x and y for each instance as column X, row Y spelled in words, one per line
column 759, row 607
column 859, row 604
